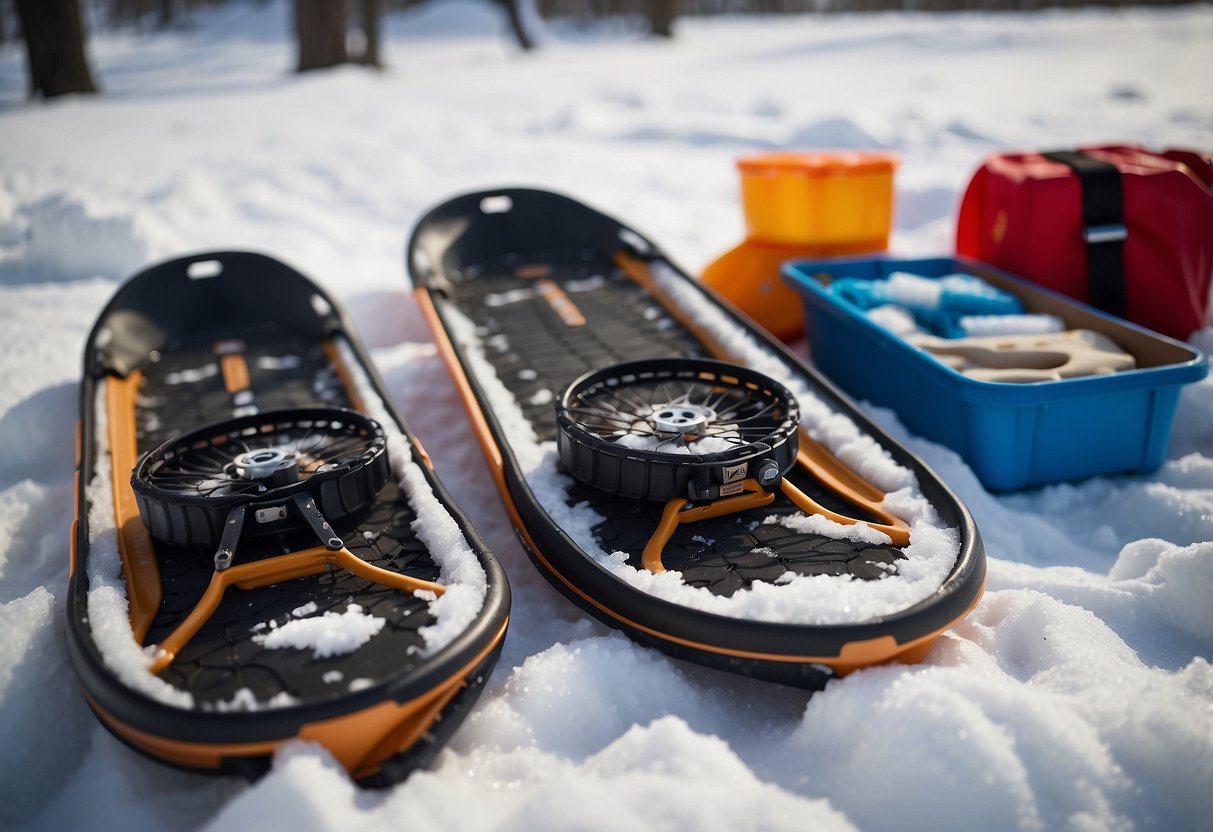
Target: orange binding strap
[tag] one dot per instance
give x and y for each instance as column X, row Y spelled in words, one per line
column 274, row 570
column 343, row 373
column 139, row 566
column 235, row 372
column 676, row 513
column 896, row 528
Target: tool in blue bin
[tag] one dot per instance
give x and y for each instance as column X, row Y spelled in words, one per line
column 937, row 304
column 1025, row 359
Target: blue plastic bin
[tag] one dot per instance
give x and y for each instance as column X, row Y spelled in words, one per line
column 1012, row 435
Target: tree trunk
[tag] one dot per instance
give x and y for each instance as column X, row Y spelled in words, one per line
column 166, row 13
column 320, row 26
column 54, row 41
column 517, row 25
column 370, row 11
column 661, row 18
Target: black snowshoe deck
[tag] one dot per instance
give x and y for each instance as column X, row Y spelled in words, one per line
column 537, row 279
column 536, row 355
column 165, row 336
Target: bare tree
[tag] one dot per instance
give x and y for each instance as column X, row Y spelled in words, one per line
column 661, row 18
column 54, row 42
column 320, row 27
column 517, row 25
column 369, row 11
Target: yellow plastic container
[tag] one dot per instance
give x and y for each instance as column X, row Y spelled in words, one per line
column 818, row 198
column 802, row 204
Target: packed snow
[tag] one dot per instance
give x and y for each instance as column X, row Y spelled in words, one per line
column 1079, row 693
column 108, row 611
column 458, row 569
column 245, row 700
column 329, row 634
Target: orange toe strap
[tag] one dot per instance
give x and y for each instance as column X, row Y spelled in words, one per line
column 275, row 570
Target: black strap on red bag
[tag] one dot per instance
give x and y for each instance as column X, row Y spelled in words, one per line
column 1103, row 227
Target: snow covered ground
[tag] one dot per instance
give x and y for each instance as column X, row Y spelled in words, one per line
column 1079, row 695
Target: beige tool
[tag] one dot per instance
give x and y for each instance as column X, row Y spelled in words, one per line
column 1024, row 359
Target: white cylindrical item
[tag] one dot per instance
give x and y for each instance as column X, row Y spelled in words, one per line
column 895, row 319
column 987, row 325
column 912, row 290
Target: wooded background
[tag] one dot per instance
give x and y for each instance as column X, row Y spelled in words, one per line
column 150, row 13
column 332, row 32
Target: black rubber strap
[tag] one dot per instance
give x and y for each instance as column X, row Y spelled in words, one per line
column 1103, row 228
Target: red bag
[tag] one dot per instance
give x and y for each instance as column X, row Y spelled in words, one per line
column 1119, row 227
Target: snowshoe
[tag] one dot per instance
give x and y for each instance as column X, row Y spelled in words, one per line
column 261, row 551
column 672, row 469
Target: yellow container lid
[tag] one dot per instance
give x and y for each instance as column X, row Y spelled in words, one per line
column 819, row 163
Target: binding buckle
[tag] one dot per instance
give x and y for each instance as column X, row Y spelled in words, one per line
column 1095, row 234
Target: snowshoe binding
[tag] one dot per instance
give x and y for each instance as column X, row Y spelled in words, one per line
column 671, row 468
column 261, row 551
